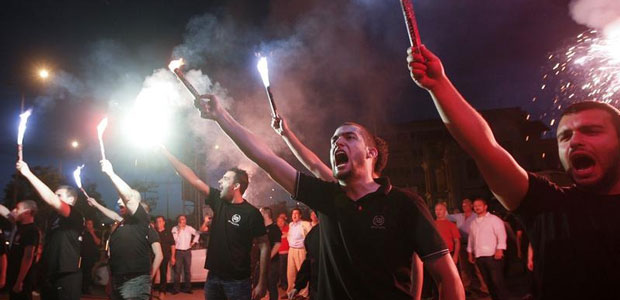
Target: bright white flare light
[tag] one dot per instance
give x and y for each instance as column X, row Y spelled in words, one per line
column 147, row 124
column 44, row 74
column 263, row 70
column 23, row 119
column 100, row 129
column 76, row 175
column 175, row 64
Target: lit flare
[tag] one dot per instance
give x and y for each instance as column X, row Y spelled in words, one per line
column 23, row 119
column 78, row 180
column 100, row 130
column 264, row 74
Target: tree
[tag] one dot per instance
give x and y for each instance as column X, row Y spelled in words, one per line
column 148, row 192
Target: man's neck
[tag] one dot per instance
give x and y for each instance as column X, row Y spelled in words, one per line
column 182, row 226
column 358, row 187
column 237, row 198
column 441, row 219
column 161, row 229
column 268, row 222
column 482, row 214
column 467, row 213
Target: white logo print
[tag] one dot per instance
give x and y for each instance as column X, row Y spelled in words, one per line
column 378, row 222
column 235, row 219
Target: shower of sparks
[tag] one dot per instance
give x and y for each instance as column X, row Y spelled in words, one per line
column 588, row 68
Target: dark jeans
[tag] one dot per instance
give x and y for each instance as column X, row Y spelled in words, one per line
column 87, row 278
column 493, row 273
column 217, row 288
column 183, row 264
column 273, row 276
column 131, row 287
column 163, row 274
column 282, row 270
column 65, row 286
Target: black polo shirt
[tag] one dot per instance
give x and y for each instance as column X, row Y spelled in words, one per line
column 62, row 243
column 367, row 245
column 130, row 245
column 167, row 241
column 575, row 236
column 234, row 227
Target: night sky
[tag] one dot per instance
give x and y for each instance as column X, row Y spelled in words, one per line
column 330, row 62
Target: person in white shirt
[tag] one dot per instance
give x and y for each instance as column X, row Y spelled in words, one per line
column 185, row 237
column 297, row 231
column 470, row 274
column 486, row 245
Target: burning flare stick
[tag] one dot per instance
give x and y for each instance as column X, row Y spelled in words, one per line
column 78, row 180
column 100, row 129
column 264, row 74
column 23, row 119
column 175, row 67
column 412, row 24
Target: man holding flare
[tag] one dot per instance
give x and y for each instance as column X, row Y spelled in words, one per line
column 574, row 231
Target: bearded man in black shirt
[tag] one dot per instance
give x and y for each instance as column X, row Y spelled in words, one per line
column 369, row 229
column 574, row 231
column 61, row 253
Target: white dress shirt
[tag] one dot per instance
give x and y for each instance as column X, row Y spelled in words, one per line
column 487, row 234
column 297, row 232
column 183, row 237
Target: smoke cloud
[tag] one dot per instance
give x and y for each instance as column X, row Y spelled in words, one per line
column 597, row 14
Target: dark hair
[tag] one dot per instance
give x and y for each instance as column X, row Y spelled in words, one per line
column 71, row 192
column 241, row 177
column 268, row 210
column 160, row 216
column 378, row 143
column 181, row 215
column 31, row 205
column 296, row 209
column 481, row 199
column 613, row 112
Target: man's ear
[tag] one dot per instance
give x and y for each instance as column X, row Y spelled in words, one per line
column 372, row 152
column 237, row 186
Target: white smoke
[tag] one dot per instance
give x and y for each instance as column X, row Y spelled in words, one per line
column 602, row 15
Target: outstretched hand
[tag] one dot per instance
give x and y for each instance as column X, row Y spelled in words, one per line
column 279, row 125
column 425, row 68
column 106, row 167
column 22, row 167
column 209, row 106
column 91, row 201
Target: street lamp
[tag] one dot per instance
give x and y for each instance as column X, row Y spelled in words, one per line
column 75, row 144
column 44, row 74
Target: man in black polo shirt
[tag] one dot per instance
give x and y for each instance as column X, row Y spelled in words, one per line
column 236, row 225
column 167, row 243
column 61, row 253
column 574, row 231
column 22, row 249
column 369, row 229
column 130, row 244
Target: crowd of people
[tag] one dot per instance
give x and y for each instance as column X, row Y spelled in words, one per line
column 374, row 241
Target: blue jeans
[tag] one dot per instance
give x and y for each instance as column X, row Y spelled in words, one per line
column 183, row 264
column 131, row 287
column 217, row 288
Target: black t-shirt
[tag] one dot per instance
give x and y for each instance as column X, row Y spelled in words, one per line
column 130, row 245
column 575, row 236
column 233, row 228
column 62, row 243
column 26, row 235
column 3, row 244
column 367, row 245
column 167, row 241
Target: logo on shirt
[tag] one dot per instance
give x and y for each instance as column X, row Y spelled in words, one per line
column 235, row 219
column 378, row 222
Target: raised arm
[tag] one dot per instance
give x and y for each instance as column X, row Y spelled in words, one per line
column 505, row 177
column 185, row 172
column 254, row 148
column 129, row 196
column 308, row 158
column 104, row 210
column 6, row 213
column 43, row 190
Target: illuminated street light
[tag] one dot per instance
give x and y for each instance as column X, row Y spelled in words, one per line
column 44, row 73
column 75, row 144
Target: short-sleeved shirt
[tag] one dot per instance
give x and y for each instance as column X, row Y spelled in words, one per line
column 167, row 241
column 233, row 228
column 130, row 245
column 62, row 243
column 448, row 232
column 90, row 250
column 367, row 245
column 26, row 235
column 575, row 236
